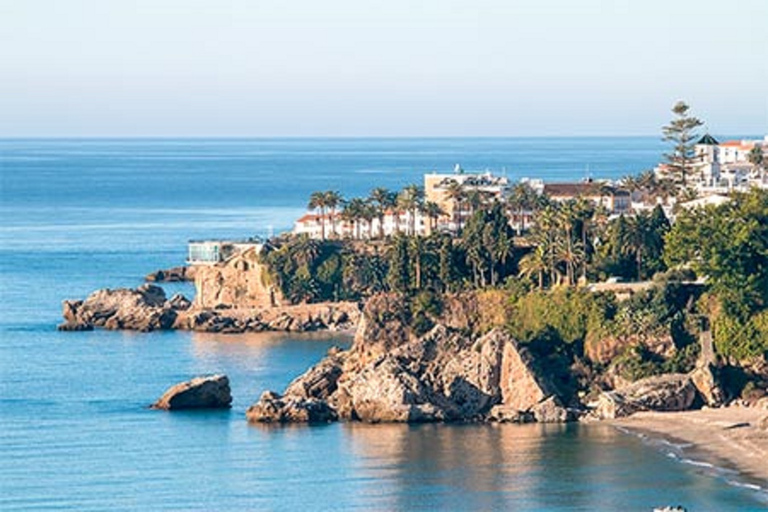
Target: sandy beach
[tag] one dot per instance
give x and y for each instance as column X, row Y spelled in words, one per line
column 734, row 437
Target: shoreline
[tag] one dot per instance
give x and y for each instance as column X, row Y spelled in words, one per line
column 731, row 438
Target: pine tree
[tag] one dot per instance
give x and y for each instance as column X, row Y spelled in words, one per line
column 681, row 131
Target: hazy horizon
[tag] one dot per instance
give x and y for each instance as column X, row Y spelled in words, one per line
column 452, row 68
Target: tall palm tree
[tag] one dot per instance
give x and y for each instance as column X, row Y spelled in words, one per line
column 522, row 199
column 584, row 211
column 333, row 200
column 549, row 230
column 433, row 211
column 456, row 193
column 636, row 238
column 410, row 199
column 317, row 201
column 474, row 200
column 353, row 212
column 535, row 264
column 382, row 200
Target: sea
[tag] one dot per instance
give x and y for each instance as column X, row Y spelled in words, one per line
column 77, row 215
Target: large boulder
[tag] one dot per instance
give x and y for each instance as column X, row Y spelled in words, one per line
column 274, row 408
column 671, row 392
column 320, row 381
column 199, row 393
column 705, row 379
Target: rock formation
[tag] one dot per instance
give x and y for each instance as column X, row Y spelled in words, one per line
column 273, row 408
column 200, row 393
column 670, row 392
column 142, row 309
column 147, row 309
column 172, row 275
column 237, row 282
column 391, row 375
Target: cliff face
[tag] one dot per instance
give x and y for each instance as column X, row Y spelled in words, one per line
column 236, row 283
column 391, row 374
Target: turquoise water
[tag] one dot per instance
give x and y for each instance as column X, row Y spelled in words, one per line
column 75, row 432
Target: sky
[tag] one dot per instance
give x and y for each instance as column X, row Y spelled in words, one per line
column 262, row 68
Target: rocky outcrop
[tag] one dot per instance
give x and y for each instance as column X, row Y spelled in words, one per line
column 445, row 375
column 671, row 392
column 336, row 316
column 239, row 282
column 200, row 393
column 142, row 309
column 604, row 349
column 172, row 275
column 706, row 380
column 147, row 309
column 273, row 408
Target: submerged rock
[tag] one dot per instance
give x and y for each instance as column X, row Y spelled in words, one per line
column 199, row 393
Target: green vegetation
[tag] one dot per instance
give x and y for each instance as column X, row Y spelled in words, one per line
column 681, row 131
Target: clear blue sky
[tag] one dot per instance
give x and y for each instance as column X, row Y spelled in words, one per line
column 394, row 67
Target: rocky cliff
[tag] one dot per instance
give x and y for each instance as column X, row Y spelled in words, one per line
column 391, row 374
column 238, row 282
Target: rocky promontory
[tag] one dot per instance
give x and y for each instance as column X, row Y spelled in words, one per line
column 147, row 308
column 391, row 374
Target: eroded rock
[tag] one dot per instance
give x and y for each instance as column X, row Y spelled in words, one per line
column 274, row 408
column 672, row 392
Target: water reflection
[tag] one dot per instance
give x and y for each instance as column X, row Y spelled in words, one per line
column 520, row 467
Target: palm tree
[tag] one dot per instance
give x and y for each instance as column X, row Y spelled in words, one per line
column 546, row 235
column 455, row 192
column 382, row 200
column 410, row 200
column 317, row 201
column 433, row 211
column 636, row 239
column 522, row 199
column 333, row 200
column 584, row 211
column 367, row 214
column 353, row 213
column 535, row 263
column 572, row 255
column 474, row 200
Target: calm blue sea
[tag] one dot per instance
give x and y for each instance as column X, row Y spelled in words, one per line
column 75, row 433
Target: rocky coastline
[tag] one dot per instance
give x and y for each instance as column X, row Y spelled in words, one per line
column 147, row 308
column 458, row 365
column 453, row 373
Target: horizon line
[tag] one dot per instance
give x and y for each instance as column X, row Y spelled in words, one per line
column 335, row 137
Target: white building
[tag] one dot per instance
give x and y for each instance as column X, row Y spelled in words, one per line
column 210, row 252
column 723, row 166
column 334, row 226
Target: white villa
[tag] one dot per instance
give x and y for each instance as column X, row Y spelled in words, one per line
column 333, row 226
column 724, row 166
